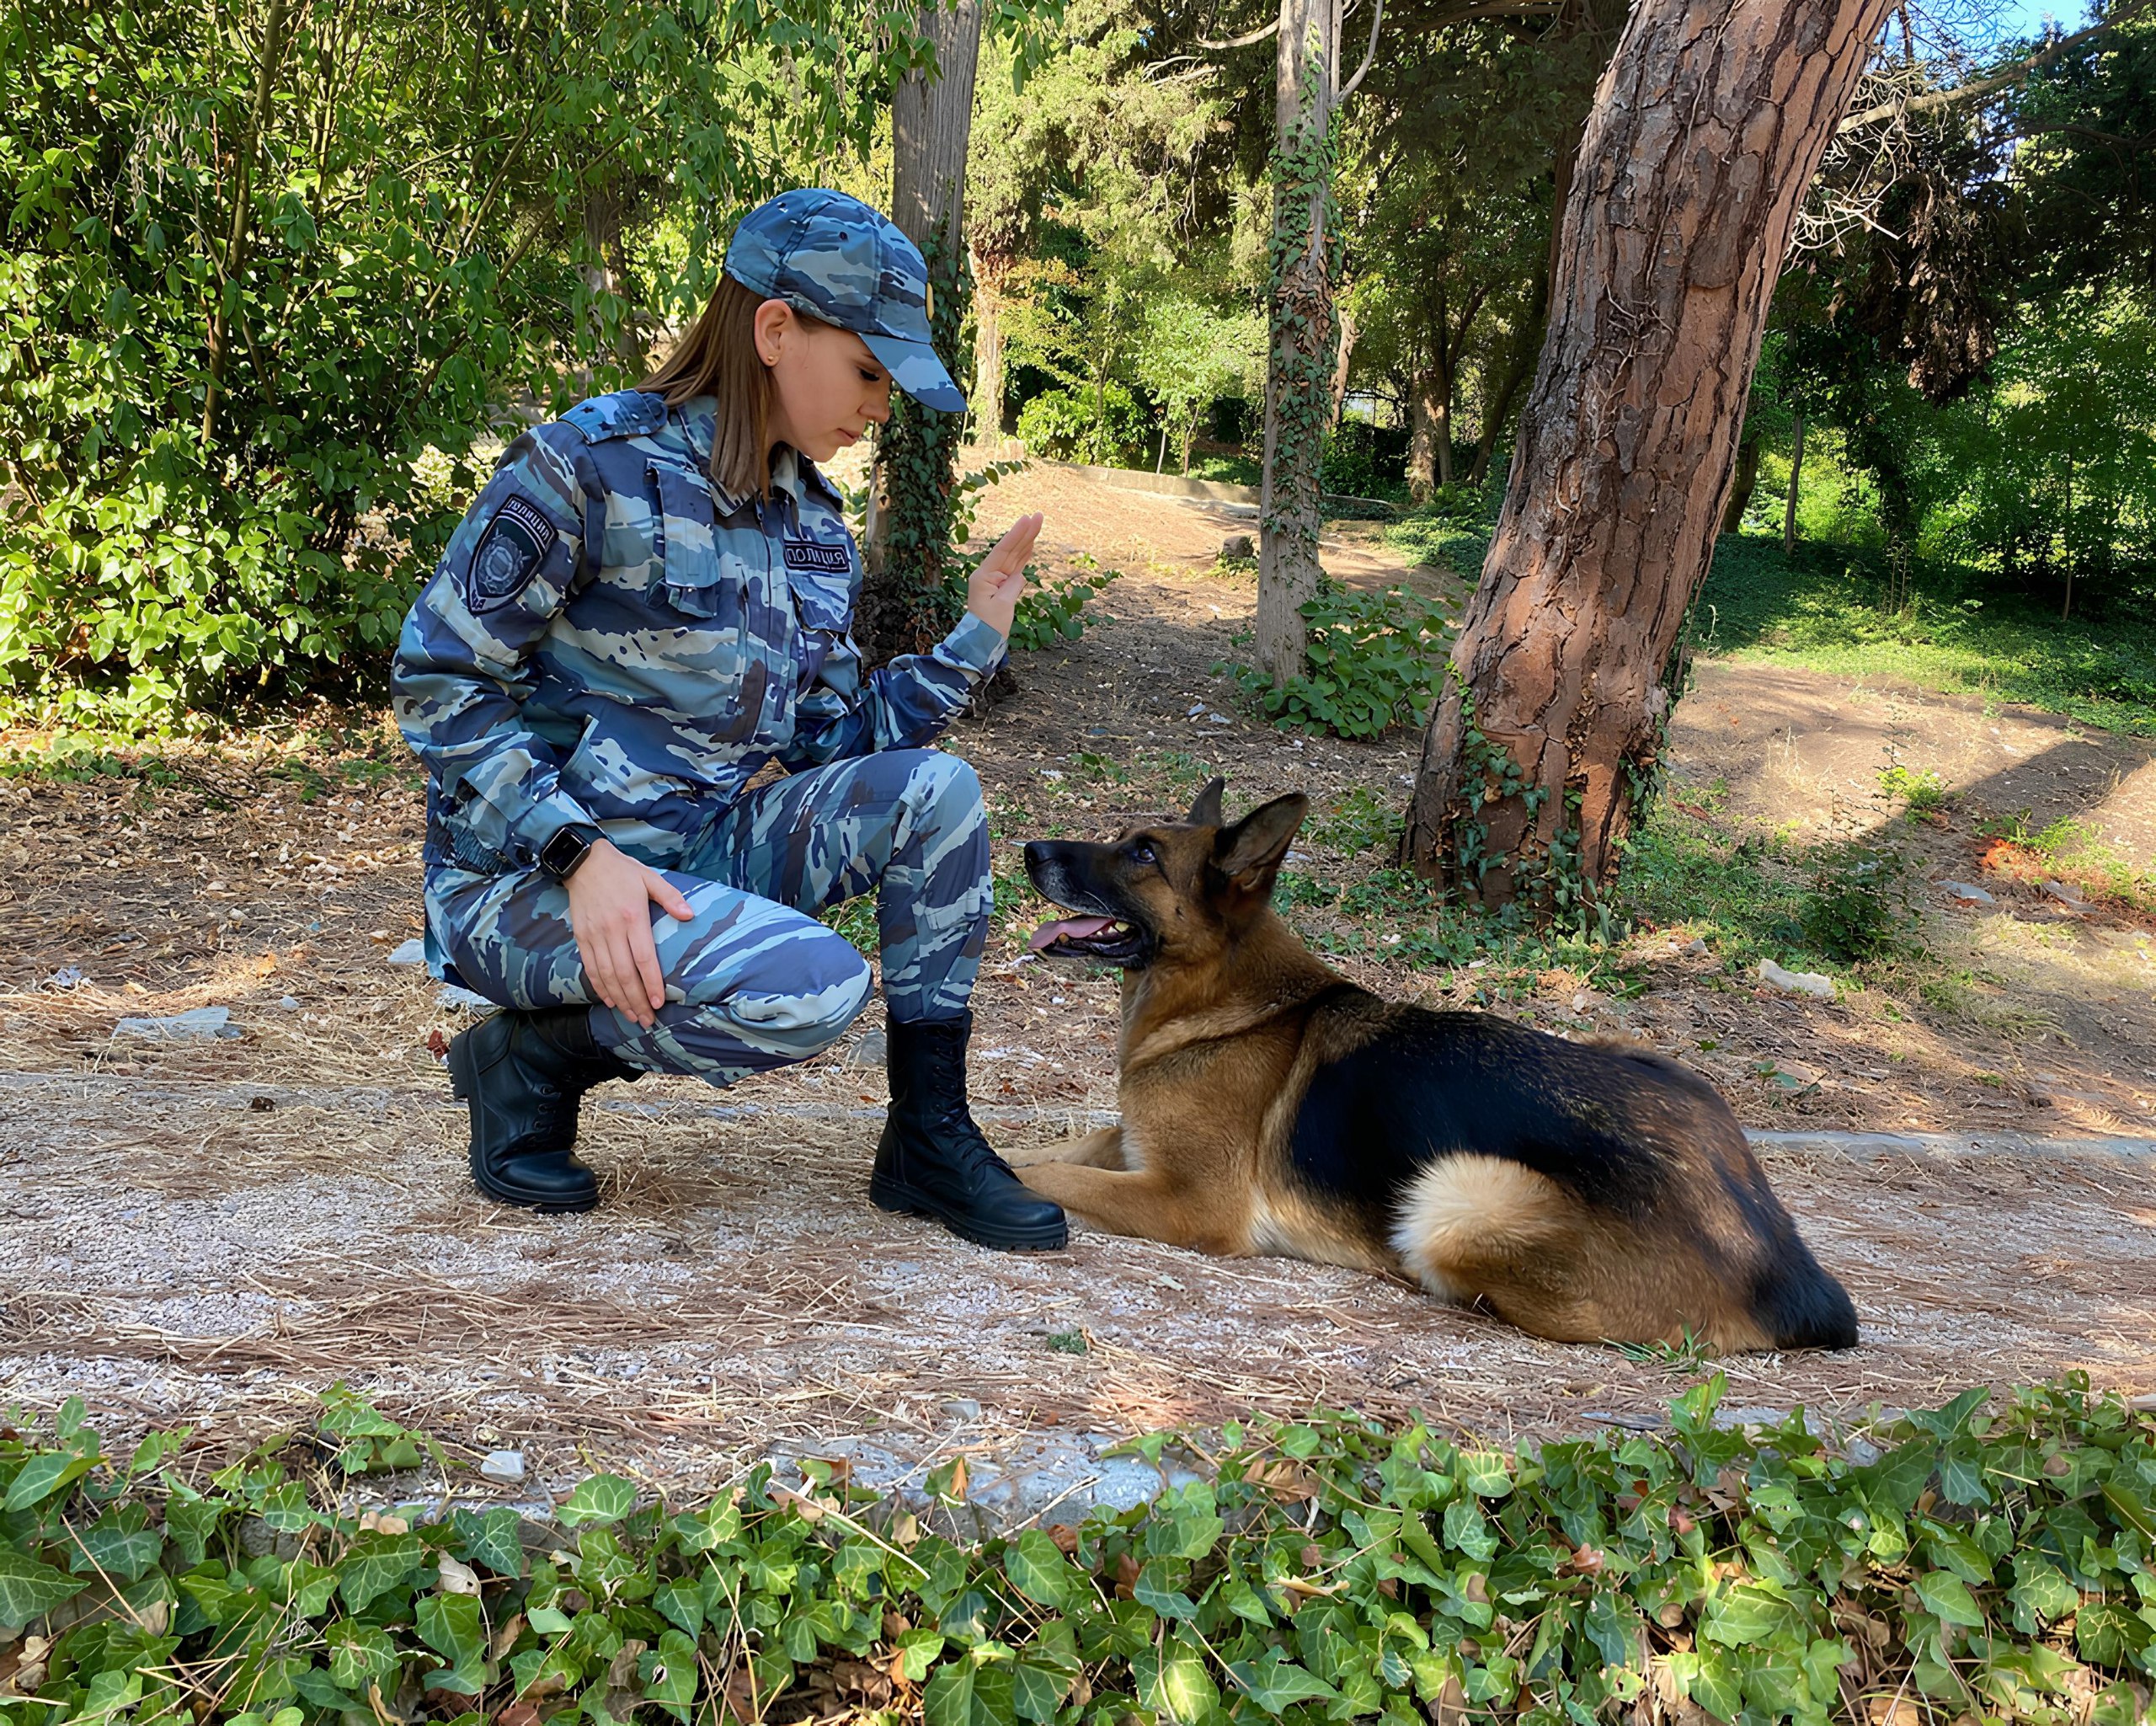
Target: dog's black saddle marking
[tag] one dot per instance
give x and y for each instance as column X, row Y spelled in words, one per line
column 1433, row 1084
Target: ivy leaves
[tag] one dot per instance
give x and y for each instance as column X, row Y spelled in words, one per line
column 1329, row 1570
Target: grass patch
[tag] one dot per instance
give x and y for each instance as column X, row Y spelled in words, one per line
column 1823, row 609
column 1959, row 1565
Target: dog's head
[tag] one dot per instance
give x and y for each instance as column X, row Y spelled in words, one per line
column 1170, row 889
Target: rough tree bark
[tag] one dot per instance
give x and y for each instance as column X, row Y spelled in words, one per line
column 1708, row 126
column 932, row 127
column 1301, row 331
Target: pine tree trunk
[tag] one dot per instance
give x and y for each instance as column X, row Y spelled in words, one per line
column 1301, row 333
column 931, row 124
column 1708, row 126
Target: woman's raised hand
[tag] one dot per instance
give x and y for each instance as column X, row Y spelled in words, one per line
column 610, row 896
column 992, row 592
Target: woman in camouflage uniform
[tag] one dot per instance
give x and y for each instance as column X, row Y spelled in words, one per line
column 648, row 603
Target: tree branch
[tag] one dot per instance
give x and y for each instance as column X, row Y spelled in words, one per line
column 1259, row 34
column 1370, row 53
column 1935, row 100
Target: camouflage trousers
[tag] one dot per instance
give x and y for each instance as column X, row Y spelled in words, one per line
column 753, row 981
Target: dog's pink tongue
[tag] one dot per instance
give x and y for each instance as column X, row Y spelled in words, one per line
column 1048, row 933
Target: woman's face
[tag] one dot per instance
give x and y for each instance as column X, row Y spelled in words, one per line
column 828, row 385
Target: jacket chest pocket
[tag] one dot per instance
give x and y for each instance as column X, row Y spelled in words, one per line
column 710, row 672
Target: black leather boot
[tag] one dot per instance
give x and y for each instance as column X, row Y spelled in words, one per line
column 524, row 1074
column 933, row 1160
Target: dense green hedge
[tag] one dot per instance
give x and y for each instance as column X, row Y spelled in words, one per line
column 1972, row 1567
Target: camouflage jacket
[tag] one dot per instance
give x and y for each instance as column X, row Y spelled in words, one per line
column 611, row 639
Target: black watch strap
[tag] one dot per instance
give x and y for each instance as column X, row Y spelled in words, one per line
column 561, row 855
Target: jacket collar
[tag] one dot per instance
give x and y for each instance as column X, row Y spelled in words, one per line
column 791, row 473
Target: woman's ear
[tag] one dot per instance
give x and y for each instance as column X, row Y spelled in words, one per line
column 775, row 322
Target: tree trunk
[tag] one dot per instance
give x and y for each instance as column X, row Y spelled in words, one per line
column 1344, row 357
column 1741, row 485
column 931, row 124
column 1708, row 126
column 988, row 346
column 1796, row 467
column 1301, row 331
column 1497, row 403
column 1423, row 437
column 1440, row 410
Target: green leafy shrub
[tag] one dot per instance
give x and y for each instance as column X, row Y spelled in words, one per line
column 1861, row 903
column 1105, row 427
column 1331, row 1568
column 1374, row 660
column 1363, row 460
column 1922, row 792
column 1054, row 609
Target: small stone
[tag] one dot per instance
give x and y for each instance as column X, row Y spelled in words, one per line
column 1964, row 893
column 1796, row 982
column 871, row 1050
column 196, row 1024
column 1237, row 549
column 961, row 1409
column 1693, row 948
column 506, row 1467
column 68, row 976
column 412, row 952
column 288, row 1003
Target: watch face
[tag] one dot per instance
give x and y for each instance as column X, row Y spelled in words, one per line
column 563, row 852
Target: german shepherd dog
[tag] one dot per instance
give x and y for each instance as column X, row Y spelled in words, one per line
column 1586, row 1191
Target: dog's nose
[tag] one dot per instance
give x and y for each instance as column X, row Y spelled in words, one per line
column 1036, row 853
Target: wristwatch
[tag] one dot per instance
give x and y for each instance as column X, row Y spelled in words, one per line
column 564, row 854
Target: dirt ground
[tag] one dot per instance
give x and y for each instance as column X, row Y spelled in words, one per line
column 212, row 1231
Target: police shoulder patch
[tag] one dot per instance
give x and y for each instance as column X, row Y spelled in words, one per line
column 509, row 555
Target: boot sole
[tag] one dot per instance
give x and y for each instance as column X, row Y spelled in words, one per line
column 903, row 1200
column 462, row 1086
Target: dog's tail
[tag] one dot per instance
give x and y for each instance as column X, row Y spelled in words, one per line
column 1799, row 1305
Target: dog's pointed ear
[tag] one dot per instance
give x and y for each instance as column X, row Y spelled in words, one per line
column 1206, row 811
column 1252, row 849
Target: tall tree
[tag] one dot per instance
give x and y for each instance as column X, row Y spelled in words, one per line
column 1708, row 126
column 1301, row 328
column 931, row 125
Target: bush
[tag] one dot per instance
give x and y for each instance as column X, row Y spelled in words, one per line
column 1374, row 660
column 1363, row 460
column 1105, row 427
column 1861, row 905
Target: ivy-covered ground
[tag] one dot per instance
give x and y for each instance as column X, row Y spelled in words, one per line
column 1973, row 1564
column 211, row 1232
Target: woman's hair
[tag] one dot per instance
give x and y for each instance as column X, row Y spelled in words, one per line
column 718, row 358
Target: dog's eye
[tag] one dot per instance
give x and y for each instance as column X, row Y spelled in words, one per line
column 1142, row 853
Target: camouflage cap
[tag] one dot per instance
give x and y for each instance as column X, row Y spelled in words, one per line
column 832, row 257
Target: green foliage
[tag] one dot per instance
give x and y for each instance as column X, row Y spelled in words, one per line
column 1822, row 609
column 250, row 343
column 1451, row 531
column 1996, row 1565
column 1053, row 610
column 1374, row 662
column 1101, row 424
column 1861, row 903
column 1189, row 355
column 1921, row 792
